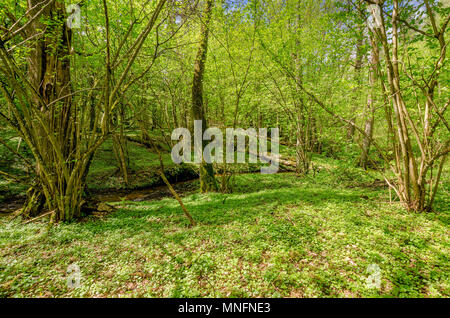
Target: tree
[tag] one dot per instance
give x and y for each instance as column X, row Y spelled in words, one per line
column 207, row 179
column 42, row 103
column 370, row 108
column 413, row 173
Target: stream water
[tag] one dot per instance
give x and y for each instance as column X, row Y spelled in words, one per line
column 116, row 195
column 145, row 194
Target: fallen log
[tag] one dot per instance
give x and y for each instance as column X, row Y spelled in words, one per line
column 144, row 143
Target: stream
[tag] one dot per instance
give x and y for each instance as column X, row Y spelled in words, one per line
column 116, row 195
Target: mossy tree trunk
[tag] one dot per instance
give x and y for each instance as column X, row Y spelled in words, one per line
column 55, row 135
column 207, row 179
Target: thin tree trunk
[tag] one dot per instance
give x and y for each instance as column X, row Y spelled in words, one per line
column 370, row 105
column 357, row 90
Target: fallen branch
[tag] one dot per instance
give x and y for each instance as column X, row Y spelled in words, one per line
column 39, row 217
column 172, row 190
column 144, row 143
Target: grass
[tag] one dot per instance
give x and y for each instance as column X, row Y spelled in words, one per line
column 104, row 172
column 275, row 236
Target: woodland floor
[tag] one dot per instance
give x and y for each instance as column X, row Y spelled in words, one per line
column 275, row 236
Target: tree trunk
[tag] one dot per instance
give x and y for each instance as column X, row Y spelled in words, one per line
column 357, row 90
column 302, row 147
column 47, row 118
column 207, row 179
column 49, row 74
column 368, row 129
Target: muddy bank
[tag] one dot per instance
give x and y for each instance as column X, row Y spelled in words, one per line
column 144, row 194
column 11, row 204
column 181, row 177
column 183, row 188
column 143, row 178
